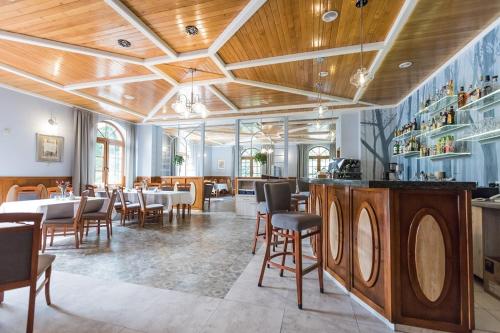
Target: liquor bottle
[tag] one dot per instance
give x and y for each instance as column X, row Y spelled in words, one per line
column 414, row 124
column 450, row 88
column 479, row 89
column 494, row 83
column 487, row 86
column 462, row 97
column 451, row 116
column 444, row 118
column 423, row 126
column 396, row 148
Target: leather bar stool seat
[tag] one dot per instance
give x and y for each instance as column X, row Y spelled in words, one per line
column 296, row 221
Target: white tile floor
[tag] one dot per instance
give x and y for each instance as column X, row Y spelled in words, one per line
column 84, row 304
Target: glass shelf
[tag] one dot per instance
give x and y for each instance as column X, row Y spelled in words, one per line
column 443, row 130
column 482, row 103
column 438, row 105
column 484, row 136
column 444, row 156
column 406, row 135
column 407, row 154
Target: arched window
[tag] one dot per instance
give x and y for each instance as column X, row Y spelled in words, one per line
column 110, row 156
column 319, row 158
column 249, row 167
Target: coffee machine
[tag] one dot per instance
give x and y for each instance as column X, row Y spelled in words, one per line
column 394, row 171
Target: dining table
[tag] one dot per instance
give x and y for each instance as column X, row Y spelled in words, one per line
column 219, row 187
column 169, row 199
column 54, row 208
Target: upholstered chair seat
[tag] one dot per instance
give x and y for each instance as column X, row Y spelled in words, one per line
column 61, row 221
column 44, row 262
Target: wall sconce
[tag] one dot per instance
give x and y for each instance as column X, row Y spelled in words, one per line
column 52, row 120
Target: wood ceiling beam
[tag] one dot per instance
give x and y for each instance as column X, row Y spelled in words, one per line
column 247, row 12
column 25, row 39
column 276, row 87
column 137, row 23
column 58, row 86
column 160, row 104
column 222, row 97
column 337, row 51
column 222, row 66
column 291, row 107
column 163, row 75
column 403, row 16
column 122, row 80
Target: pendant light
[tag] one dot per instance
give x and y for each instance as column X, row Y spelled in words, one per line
column 187, row 106
column 362, row 76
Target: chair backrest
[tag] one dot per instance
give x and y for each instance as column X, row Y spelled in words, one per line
column 278, row 197
column 91, row 189
column 293, row 185
column 142, row 201
column 81, row 209
column 259, row 190
column 85, row 193
column 167, row 187
column 111, row 205
column 176, row 186
column 192, row 193
column 24, row 193
column 207, row 190
column 106, row 190
column 303, row 186
column 122, row 197
column 53, row 192
column 19, row 244
column 184, row 187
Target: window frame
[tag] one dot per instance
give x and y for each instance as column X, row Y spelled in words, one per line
column 107, row 142
column 250, row 158
column 317, row 158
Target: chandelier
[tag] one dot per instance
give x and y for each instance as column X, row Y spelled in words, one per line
column 192, row 105
column 362, row 76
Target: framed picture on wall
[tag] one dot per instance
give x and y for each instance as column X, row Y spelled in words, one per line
column 49, row 148
column 221, row 164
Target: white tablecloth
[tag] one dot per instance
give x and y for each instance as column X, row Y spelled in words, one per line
column 220, row 187
column 169, row 199
column 53, row 208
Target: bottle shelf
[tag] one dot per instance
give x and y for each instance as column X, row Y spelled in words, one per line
column 407, row 154
column 483, row 103
column 438, row 105
column 442, row 130
column 406, row 135
column 482, row 137
column 444, row 156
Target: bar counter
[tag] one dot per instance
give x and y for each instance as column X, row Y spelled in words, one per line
column 402, row 248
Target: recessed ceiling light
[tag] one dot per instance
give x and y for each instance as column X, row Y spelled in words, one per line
column 191, row 30
column 361, row 3
column 405, row 64
column 329, row 16
column 323, row 74
column 124, row 43
column 128, row 97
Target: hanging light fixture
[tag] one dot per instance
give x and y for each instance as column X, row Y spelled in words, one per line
column 362, row 75
column 188, row 106
column 319, row 86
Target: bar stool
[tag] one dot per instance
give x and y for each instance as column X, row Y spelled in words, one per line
column 262, row 212
column 282, row 221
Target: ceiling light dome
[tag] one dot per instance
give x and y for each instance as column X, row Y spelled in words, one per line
column 330, row 16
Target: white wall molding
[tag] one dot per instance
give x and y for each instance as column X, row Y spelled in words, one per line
column 137, row 23
column 208, row 82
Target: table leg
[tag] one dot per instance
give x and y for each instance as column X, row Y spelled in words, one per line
column 1, row 296
column 183, row 210
column 170, row 215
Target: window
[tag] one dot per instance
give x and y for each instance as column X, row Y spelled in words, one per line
column 249, row 167
column 110, row 156
column 319, row 157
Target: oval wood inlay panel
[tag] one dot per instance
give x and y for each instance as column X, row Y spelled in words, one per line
column 430, row 257
column 334, row 227
column 365, row 245
column 318, row 206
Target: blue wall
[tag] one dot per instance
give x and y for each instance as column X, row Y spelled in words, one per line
column 377, row 126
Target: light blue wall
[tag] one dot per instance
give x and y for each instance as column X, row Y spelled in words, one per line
column 216, row 153
column 377, row 127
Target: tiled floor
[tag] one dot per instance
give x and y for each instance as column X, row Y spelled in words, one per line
column 95, row 301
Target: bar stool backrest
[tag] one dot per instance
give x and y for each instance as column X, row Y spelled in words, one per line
column 278, row 197
column 260, row 196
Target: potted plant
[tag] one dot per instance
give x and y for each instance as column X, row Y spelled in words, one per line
column 260, row 158
column 178, row 160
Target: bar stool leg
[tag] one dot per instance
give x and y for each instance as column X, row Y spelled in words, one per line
column 285, row 248
column 268, row 251
column 257, row 225
column 298, row 266
column 319, row 257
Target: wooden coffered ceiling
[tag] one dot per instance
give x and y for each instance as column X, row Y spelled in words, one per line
column 252, row 57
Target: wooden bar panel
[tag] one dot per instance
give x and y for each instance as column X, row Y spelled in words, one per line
column 337, row 252
column 7, row 182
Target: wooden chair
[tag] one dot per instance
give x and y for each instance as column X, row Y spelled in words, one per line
column 207, row 193
column 53, row 192
column 149, row 211
column 73, row 223
column 127, row 209
column 91, row 189
column 20, row 264
column 262, row 213
column 23, row 193
column 94, row 219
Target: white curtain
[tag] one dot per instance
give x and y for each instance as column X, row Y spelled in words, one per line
column 85, row 141
column 130, row 156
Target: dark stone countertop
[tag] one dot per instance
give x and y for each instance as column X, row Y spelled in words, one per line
column 396, row 184
column 486, row 204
